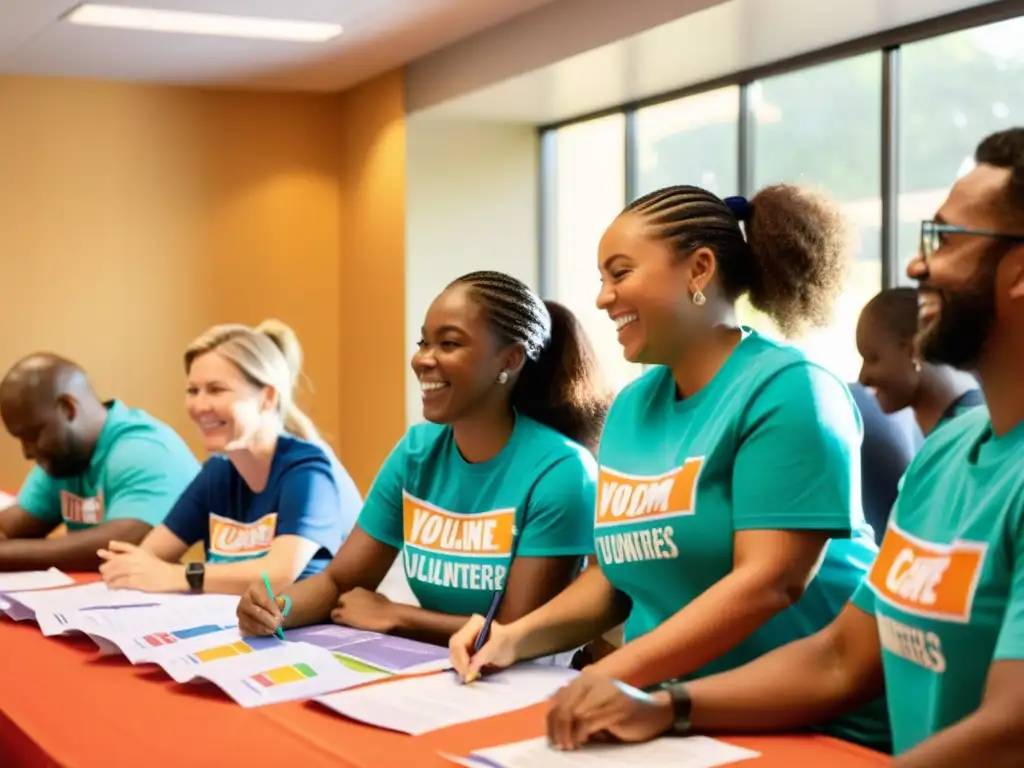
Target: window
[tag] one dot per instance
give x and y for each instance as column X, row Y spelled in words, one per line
column 690, row 141
column 822, row 127
column 589, row 190
column 954, row 91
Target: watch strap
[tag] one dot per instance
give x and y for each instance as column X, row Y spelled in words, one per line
column 195, row 575
column 681, row 706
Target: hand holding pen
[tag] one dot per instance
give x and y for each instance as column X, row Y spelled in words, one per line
column 482, row 643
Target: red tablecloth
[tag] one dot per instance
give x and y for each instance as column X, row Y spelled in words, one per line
column 61, row 704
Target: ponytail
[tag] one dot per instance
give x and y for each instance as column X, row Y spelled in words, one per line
column 561, row 384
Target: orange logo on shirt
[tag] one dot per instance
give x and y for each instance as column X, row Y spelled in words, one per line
column 75, row 509
column 230, row 538
column 629, row 498
column 487, row 534
column 933, row 580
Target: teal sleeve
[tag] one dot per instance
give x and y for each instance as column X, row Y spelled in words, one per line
column 1010, row 643
column 864, row 598
column 40, row 497
column 381, row 515
column 559, row 521
column 798, row 464
column 144, row 479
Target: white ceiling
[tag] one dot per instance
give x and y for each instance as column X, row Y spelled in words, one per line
column 379, row 35
column 705, row 40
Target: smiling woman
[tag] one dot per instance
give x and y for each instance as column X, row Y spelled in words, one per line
column 272, row 498
column 893, row 367
column 491, row 500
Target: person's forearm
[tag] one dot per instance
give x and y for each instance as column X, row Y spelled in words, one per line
column 992, row 739
column 797, row 685
column 585, row 610
column 706, row 629
column 428, row 626
column 235, row 578
column 74, row 551
column 313, row 599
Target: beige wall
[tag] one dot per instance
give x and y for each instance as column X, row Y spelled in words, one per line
column 132, row 217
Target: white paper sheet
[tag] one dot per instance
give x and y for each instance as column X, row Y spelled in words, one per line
column 52, row 607
column 289, row 672
column 25, row 580
column 202, row 659
column 420, row 704
column 690, row 752
column 131, row 628
column 28, row 580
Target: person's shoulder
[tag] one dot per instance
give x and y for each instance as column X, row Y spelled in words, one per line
column 642, row 393
column 294, row 451
column 954, row 437
column 546, row 445
column 134, row 427
column 134, row 440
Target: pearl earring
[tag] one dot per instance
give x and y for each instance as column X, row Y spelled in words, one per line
column 917, row 366
column 503, row 377
column 699, row 298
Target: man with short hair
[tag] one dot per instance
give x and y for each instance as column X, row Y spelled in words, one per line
column 939, row 621
column 105, row 470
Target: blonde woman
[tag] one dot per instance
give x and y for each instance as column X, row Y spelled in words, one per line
column 270, row 499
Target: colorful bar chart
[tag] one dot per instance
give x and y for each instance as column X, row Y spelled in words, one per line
column 293, row 673
column 221, row 652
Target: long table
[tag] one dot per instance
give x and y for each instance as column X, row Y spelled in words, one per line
column 64, row 705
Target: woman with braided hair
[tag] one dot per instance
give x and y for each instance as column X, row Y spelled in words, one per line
column 728, row 517
column 491, row 501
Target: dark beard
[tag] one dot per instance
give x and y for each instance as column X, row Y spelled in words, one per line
column 957, row 336
column 72, row 463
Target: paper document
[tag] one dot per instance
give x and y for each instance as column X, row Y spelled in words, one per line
column 417, row 705
column 25, row 580
column 131, row 629
column 28, row 580
column 51, row 607
column 288, row 672
column 394, row 654
column 689, row 752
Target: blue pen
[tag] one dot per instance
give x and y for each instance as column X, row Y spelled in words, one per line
column 266, row 582
column 485, row 630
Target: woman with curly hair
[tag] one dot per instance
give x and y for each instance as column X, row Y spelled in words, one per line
column 728, row 515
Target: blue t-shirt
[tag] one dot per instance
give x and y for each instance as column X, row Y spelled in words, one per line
column 771, row 442
column 304, row 496
column 455, row 521
column 137, row 470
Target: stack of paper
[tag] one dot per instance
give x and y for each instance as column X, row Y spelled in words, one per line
column 420, row 704
column 691, row 752
column 25, row 581
column 52, row 608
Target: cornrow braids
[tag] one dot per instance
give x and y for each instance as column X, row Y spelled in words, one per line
column 690, row 218
column 561, row 384
column 897, row 309
column 792, row 263
column 516, row 313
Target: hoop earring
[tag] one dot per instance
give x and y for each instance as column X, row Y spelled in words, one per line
column 503, row 377
column 699, row 298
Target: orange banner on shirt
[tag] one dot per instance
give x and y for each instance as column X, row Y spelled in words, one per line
column 75, row 509
column 482, row 534
column 630, row 498
column 230, row 538
column 933, row 580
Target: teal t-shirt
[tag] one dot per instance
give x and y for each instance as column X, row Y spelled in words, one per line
column 772, row 442
column 139, row 468
column 947, row 588
column 454, row 521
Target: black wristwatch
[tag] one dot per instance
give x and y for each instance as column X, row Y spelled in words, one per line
column 195, row 575
column 681, row 705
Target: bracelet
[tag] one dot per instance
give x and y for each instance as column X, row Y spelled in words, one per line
column 681, row 706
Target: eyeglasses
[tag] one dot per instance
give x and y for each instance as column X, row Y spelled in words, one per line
column 932, row 232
